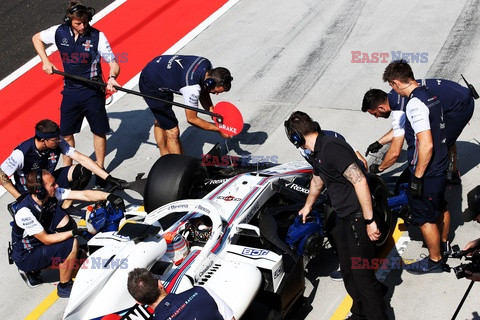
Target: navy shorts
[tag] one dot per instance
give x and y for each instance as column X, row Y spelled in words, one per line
column 162, row 111
column 456, row 121
column 83, row 103
column 432, row 204
column 61, row 177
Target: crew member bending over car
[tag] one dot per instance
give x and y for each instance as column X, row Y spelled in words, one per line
column 43, row 151
column 198, row 303
column 336, row 167
column 43, row 231
column 458, row 106
column 190, row 76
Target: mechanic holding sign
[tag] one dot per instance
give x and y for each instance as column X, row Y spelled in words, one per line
column 336, row 167
column 190, row 76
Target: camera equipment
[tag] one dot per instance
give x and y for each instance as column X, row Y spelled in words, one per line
column 465, row 270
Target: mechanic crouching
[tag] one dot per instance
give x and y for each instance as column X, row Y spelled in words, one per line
column 42, row 231
column 336, row 167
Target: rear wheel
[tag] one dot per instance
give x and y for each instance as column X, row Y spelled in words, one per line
column 172, row 177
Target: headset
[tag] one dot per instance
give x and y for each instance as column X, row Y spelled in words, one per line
column 39, row 189
column 79, row 7
column 210, row 83
column 295, row 137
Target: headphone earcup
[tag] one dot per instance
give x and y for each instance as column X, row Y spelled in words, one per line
column 209, row 83
column 40, row 190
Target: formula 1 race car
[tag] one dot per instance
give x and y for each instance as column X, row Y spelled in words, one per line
column 231, row 228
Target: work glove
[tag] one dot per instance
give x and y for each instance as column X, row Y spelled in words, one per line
column 374, row 168
column 116, row 201
column 79, row 232
column 416, row 187
column 119, row 183
column 373, row 148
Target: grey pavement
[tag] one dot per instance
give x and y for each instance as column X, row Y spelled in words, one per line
column 297, row 55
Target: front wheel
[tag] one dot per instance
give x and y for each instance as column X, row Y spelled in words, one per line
column 172, row 177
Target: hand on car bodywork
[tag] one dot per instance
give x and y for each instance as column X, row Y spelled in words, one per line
column 304, row 212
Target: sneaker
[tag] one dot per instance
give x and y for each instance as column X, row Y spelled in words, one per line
column 31, row 278
column 64, row 289
column 453, row 177
column 336, row 275
column 424, row 266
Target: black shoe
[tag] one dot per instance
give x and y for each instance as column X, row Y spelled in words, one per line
column 425, row 266
column 355, row 316
column 64, row 289
column 336, row 275
column 31, row 278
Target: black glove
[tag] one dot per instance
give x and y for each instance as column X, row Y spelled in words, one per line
column 373, row 148
column 79, row 232
column 374, row 168
column 20, row 198
column 119, row 183
column 116, row 201
column 416, row 187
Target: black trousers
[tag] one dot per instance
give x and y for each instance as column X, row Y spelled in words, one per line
column 355, row 251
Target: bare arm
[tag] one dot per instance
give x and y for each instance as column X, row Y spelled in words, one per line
column 425, row 152
column 114, row 71
column 48, row 67
column 89, row 164
column 49, row 239
column 8, row 185
column 316, row 187
column 393, row 153
column 87, row 195
column 386, row 138
column 359, row 182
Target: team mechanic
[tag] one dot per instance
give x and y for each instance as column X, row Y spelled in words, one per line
column 43, row 232
column 81, row 48
column 458, row 106
column 337, row 168
column 43, row 152
column 198, row 303
column 190, row 76
column 427, row 154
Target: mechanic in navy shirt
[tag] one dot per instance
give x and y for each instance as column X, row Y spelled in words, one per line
column 43, row 151
column 458, row 106
column 336, row 167
column 199, row 302
column 81, row 48
column 427, row 154
column 190, row 76
column 43, row 234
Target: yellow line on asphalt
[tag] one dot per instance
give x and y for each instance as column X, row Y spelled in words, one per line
column 43, row 306
column 344, row 307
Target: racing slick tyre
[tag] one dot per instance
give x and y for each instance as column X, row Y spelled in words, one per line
column 386, row 221
column 172, row 177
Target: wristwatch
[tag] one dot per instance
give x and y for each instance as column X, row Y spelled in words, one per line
column 114, row 77
column 368, row 221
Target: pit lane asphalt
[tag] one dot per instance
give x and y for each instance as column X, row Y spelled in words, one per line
column 298, row 56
